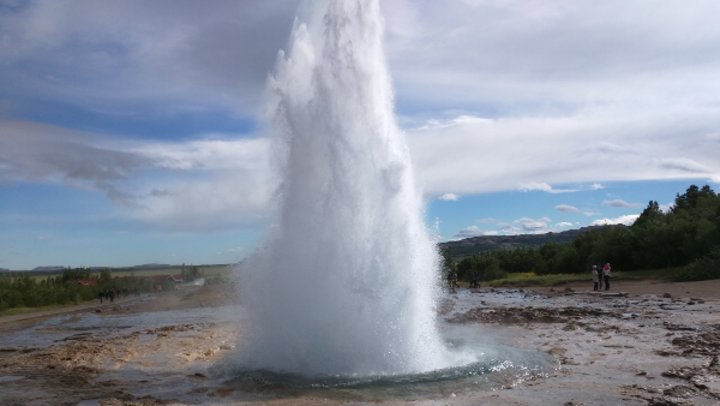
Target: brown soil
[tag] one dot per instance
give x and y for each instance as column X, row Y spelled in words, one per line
column 700, row 289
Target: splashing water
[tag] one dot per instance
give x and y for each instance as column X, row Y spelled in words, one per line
column 346, row 285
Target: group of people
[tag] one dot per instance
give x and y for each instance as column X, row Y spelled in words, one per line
column 108, row 295
column 601, row 276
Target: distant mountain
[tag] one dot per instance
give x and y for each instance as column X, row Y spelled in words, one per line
column 57, row 269
column 48, row 268
column 153, row 266
column 477, row 245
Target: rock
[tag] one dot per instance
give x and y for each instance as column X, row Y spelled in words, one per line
column 680, row 391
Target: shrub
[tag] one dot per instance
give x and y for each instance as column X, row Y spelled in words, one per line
column 707, row 267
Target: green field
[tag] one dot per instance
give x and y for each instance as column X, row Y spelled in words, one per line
column 207, row 271
column 23, row 290
column 522, row 279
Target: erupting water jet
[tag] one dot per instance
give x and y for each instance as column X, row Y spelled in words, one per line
column 346, row 284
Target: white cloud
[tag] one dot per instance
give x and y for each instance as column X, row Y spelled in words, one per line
column 34, row 152
column 543, row 187
column 207, row 184
column 468, row 232
column 523, row 225
column 533, row 186
column 210, row 153
column 221, row 201
column 627, row 220
column 493, row 155
column 537, row 186
column 533, row 225
column 555, row 55
column 665, row 208
column 163, row 57
column 620, row 203
column 683, row 164
column 449, row 197
column 196, row 184
column 567, row 208
column 575, row 93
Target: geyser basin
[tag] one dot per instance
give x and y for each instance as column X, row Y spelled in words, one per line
column 498, row 366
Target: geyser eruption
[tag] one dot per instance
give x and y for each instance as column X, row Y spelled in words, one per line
column 346, row 284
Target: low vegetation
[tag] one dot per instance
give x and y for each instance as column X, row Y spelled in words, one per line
column 72, row 286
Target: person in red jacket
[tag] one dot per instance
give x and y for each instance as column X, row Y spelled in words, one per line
column 606, row 274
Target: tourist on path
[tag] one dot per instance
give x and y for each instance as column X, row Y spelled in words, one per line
column 596, row 277
column 606, row 274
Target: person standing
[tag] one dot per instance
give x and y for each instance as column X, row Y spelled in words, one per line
column 452, row 280
column 596, row 277
column 606, row 274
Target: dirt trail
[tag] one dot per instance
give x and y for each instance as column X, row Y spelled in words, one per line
column 699, row 289
column 22, row 319
column 188, row 297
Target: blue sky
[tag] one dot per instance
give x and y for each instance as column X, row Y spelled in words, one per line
column 132, row 132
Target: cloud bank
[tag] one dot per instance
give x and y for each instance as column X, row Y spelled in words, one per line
column 186, row 185
column 493, row 96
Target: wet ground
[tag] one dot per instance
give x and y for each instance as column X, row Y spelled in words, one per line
column 613, row 348
column 567, row 347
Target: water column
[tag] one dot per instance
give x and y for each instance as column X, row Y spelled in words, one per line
column 346, row 283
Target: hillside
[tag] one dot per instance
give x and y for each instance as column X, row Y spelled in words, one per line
column 476, row 245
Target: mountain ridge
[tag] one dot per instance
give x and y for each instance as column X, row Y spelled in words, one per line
column 485, row 243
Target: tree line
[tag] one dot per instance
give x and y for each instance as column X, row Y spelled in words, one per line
column 76, row 285
column 686, row 237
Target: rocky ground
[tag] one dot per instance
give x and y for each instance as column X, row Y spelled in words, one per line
column 654, row 349
column 641, row 344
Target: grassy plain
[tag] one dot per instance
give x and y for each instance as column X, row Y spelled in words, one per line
column 207, row 271
column 523, row 279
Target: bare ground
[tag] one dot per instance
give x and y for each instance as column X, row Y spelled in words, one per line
column 644, row 343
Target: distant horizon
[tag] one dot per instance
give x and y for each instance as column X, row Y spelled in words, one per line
column 155, row 265
column 503, row 201
column 140, row 267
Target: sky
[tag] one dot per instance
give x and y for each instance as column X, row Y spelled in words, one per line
column 132, row 132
